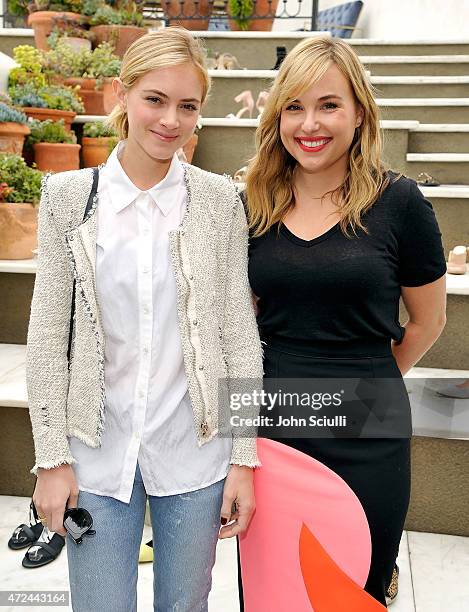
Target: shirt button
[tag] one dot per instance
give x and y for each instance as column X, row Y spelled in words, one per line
column 146, row 309
column 145, row 350
column 191, row 277
column 146, row 231
column 141, row 393
column 146, row 269
column 194, row 322
column 201, row 367
column 137, row 435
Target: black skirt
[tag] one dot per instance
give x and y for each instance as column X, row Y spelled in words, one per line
column 376, row 469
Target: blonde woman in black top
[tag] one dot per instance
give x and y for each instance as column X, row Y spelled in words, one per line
column 336, row 240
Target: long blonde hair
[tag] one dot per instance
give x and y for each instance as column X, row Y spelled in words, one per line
column 269, row 180
column 166, row 47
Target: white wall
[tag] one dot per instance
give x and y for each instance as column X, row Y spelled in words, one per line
column 398, row 19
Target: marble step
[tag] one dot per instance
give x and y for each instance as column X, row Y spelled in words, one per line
column 441, row 137
column 445, row 167
column 426, row 110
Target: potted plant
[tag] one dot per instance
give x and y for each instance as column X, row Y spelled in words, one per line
column 120, row 25
column 97, row 143
column 20, row 192
column 13, row 129
column 73, row 34
column 104, row 65
column 55, row 148
column 41, row 14
column 87, row 70
column 241, row 12
column 29, row 69
column 50, row 102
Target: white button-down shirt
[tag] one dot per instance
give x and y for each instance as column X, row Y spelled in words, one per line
column 148, row 415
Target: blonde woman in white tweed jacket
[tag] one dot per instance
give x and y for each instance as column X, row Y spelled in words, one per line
column 124, row 402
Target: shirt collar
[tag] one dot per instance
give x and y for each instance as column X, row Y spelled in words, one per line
column 123, row 192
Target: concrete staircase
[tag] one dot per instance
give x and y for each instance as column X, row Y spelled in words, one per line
column 423, row 93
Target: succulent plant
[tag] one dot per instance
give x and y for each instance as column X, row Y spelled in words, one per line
column 7, row 114
column 51, row 132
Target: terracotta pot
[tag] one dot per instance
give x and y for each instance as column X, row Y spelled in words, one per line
column 56, row 157
column 263, row 7
column 92, row 98
column 12, row 137
column 48, row 113
column 42, row 23
column 18, row 231
column 172, row 9
column 120, row 36
column 109, row 97
column 95, row 151
column 189, row 147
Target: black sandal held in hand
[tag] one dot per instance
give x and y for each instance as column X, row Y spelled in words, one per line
column 24, row 535
column 49, row 551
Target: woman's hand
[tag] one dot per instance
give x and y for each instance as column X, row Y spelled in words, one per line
column 54, row 488
column 238, row 501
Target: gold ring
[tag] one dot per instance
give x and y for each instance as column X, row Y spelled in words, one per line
column 43, row 519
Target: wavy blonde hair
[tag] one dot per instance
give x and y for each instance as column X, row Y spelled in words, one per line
column 269, row 180
column 166, row 47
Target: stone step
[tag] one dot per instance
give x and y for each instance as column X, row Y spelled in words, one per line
column 416, row 65
column 426, row 86
column 428, row 110
column 452, row 348
column 441, row 137
column 257, row 50
column 450, row 168
column 451, row 206
column 226, row 84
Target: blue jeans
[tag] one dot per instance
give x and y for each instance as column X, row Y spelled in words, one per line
column 103, row 569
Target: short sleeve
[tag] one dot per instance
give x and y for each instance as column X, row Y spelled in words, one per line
column 421, row 254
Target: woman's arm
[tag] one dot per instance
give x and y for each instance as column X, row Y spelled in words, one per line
column 47, row 373
column 426, row 306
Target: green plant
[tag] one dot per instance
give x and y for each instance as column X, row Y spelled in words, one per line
column 29, row 70
column 241, row 11
column 26, row 95
column 103, row 63
column 125, row 12
column 64, row 60
column 7, row 114
column 59, row 97
column 24, row 183
column 24, row 7
column 51, row 132
column 98, row 129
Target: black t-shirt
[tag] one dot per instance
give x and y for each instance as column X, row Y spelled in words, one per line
column 335, row 290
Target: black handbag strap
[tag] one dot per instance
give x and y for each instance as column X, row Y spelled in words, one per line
column 89, row 204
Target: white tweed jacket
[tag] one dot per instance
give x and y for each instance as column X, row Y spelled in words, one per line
column 216, row 318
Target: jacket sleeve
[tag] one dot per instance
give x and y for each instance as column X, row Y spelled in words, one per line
column 243, row 348
column 47, row 375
